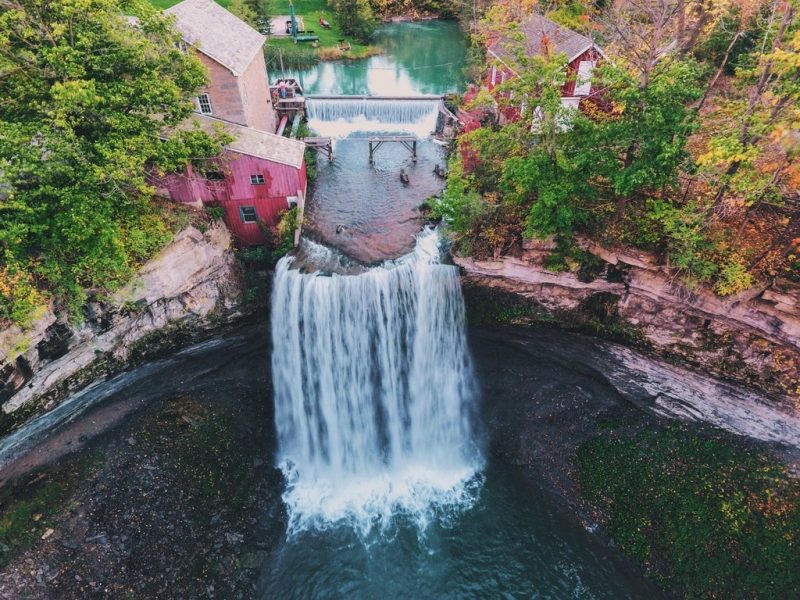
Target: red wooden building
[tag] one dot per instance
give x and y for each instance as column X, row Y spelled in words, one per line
column 542, row 36
column 258, row 175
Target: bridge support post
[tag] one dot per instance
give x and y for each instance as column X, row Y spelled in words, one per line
column 374, row 144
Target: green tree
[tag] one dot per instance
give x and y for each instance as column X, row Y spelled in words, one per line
column 355, row 18
column 637, row 148
column 262, row 20
column 242, row 9
column 86, row 92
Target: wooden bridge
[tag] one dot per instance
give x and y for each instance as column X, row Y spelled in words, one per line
column 407, row 141
column 323, row 144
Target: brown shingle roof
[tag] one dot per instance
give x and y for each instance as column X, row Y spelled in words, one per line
column 537, row 31
column 249, row 141
column 217, row 33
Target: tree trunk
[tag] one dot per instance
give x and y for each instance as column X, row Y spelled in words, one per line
column 755, row 99
column 720, row 70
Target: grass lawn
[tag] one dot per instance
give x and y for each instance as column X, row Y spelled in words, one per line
column 311, row 11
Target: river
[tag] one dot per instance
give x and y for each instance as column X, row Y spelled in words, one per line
column 421, row 59
column 392, row 492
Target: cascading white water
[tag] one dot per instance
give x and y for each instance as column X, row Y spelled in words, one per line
column 339, row 118
column 374, row 392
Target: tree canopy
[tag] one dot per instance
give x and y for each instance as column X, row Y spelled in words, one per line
column 686, row 146
column 87, row 86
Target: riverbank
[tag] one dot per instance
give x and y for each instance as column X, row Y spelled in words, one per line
column 177, row 496
column 616, row 436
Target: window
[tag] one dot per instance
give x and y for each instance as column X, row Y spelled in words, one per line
column 583, row 82
column 248, row 214
column 257, row 179
column 204, row 104
column 215, row 176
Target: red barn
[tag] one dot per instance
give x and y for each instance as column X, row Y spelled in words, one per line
column 540, row 36
column 258, row 175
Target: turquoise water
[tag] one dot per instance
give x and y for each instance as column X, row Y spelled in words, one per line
column 426, row 57
column 513, row 543
column 365, row 210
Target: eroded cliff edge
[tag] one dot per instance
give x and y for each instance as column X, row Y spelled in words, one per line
column 192, row 283
column 753, row 337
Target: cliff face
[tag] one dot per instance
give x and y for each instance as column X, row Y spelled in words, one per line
column 191, row 280
column 753, row 337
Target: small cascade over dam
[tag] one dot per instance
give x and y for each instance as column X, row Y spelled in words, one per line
column 339, row 117
column 374, row 391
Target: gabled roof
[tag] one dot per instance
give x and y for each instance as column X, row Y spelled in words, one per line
column 217, row 33
column 249, row 141
column 537, row 31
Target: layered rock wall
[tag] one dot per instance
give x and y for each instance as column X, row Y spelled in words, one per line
column 190, row 281
column 753, row 337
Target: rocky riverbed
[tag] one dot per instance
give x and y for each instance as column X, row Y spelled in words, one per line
column 165, row 487
column 176, row 498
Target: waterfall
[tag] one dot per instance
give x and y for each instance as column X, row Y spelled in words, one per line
column 339, row 118
column 374, row 392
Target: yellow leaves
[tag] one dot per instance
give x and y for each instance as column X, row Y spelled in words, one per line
column 786, row 59
column 18, row 294
column 72, row 8
column 723, row 151
column 72, row 98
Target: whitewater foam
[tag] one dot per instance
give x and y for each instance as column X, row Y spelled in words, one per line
column 374, row 393
column 341, row 118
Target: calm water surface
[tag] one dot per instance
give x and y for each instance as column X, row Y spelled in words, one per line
column 421, row 58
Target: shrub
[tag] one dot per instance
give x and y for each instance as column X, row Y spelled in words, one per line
column 293, row 57
column 19, row 296
column 215, row 212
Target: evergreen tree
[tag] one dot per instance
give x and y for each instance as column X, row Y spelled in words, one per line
column 262, row 20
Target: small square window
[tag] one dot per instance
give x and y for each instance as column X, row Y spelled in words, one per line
column 257, row 179
column 215, row 176
column 248, row 214
column 204, row 103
